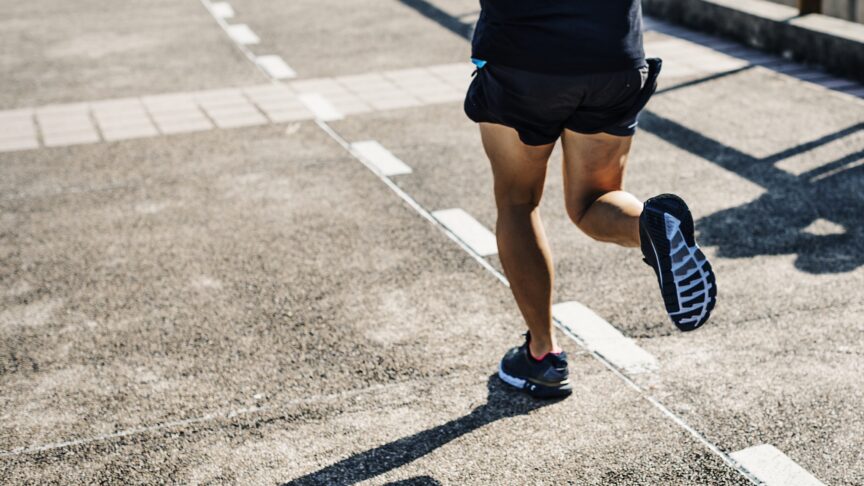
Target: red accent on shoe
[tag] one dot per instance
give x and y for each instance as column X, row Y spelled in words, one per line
column 554, row 351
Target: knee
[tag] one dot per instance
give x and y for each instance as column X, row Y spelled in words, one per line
column 514, row 199
column 576, row 209
column 577, row 216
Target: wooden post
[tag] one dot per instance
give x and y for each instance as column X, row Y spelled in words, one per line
column 809, row 6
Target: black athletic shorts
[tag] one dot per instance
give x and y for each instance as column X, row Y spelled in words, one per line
column 541, row 106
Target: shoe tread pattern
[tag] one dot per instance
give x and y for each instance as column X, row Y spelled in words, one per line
column 683, row 271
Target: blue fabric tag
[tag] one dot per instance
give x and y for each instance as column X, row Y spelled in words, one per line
column 478, row 62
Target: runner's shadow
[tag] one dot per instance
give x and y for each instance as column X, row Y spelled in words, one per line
column 781, row 221
column 418, row 481
column 501, row 402
column 452, row 23
column 778, row 222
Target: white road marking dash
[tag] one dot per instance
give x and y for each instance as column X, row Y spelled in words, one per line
column 381, row 158
column 601, row 337
column 222, row 10
column 469, row 230
column 276, row 67
column 242, row 34
column 774, row 468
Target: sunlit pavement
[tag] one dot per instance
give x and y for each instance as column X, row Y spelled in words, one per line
column 261, row 255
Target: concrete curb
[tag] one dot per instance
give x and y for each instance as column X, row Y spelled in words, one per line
column 836, row 44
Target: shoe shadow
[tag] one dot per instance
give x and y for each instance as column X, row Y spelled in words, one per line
column 779, row 222
column 502, row 401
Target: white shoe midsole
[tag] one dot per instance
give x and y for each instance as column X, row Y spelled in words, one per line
column 510, row 380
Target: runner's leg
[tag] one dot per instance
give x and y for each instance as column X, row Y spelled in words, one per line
column 519, row 173
column 593, row 169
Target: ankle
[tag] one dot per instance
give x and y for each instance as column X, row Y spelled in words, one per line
column 539, row 349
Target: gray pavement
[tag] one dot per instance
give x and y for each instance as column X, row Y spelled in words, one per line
column 56, row 52
column 334, row 38
column 253, row 306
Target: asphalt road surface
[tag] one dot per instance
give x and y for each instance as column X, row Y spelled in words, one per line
column 205, row 279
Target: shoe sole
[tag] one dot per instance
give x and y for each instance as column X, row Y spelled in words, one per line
column 536, row 390
column 690, row 300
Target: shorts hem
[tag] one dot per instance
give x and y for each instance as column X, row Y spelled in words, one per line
column 479, row 115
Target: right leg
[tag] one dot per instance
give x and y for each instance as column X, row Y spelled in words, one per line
column 519, row 172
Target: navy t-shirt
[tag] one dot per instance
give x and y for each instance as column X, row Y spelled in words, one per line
column 560, row 36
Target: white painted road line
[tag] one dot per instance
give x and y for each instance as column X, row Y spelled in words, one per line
column 237, row 119
column 222, row 10
column 603, row 338
column 229, row 108
column 183, row 112
column 17, row 131
column 381, row 158
column 378, row 92
column 289, row 114
column 457, row 75
column 17, row 144
column 66, row 124
column 321, row 107
column 469, row 230
column 61, row 139
column 181, row 121
column 278, row 102
column 129, row 132
column 425, row 214
column 227, row 29
column 275, row 67
column 176, row 113
column 242, row 34
column 774, row 468
column 413, row 204
column 17, row 123
column 123, row 119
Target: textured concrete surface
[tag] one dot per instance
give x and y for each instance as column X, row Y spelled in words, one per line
column 253, row 306
column 337, row 36
column 209, row 276
column 56, row 52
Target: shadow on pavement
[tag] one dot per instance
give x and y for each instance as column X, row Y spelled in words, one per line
column 705, row 79
column 442, row 18
column 501, row 402
column 777, row 222
column 418, row 481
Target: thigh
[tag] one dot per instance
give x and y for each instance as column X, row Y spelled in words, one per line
column 535, row 105
column 593, row 165
column 519, row 169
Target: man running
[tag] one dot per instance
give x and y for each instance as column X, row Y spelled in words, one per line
column 574, row 70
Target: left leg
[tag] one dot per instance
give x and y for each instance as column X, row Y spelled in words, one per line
column 663, row 226
column 593, row 169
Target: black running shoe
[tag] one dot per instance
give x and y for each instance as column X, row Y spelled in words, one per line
column 684, row 274
column 546, row 378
